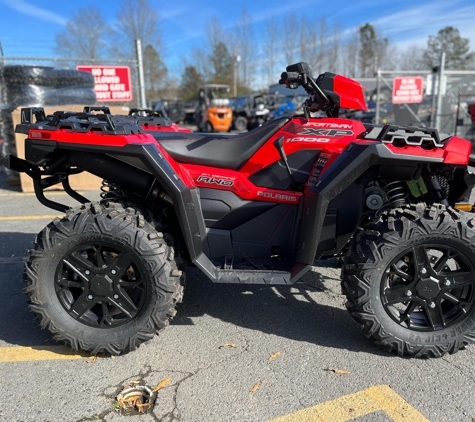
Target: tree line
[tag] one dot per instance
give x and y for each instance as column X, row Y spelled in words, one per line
column 257, row 59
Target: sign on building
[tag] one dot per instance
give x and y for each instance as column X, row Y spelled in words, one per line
column 407, row 90
column 112, row 82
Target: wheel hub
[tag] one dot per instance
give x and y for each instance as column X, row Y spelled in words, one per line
column 101, row 286
column 428, row 288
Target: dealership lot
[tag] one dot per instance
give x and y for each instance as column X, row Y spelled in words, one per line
column 323, row 368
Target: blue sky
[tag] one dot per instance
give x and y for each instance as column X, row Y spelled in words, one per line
column 28, row 28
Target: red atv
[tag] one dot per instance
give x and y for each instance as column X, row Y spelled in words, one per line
column 258, row 207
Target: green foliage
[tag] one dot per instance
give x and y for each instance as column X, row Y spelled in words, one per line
column 457, row 49
column 222, row 64
column 371, row 51
column 191, row 81
column 155, row 72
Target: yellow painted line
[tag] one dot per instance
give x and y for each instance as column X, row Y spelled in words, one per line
column 22, row 353
column 29, row 217
column 352, row 406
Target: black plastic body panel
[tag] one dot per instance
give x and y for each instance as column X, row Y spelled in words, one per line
column 225, row 210
column 276, row 175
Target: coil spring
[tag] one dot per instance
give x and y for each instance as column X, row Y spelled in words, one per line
column 110, row 190
column 395, row 194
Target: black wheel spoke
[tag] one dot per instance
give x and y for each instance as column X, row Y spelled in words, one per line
column 398, row 293
column 121, row 263
column 68, row 284
column 99, row 257
column 131, row 284
column 396, row 271
column 440, row 264
column 82, row 304
column 435, row 315
column 406, row 315
column 460, row 279
column 460, row 304
column 125, row 303
column 80, row 263
column 106, row 316
column 421, row 259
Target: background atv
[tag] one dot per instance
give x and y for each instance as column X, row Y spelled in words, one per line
column 258, row 207
column 251, row 111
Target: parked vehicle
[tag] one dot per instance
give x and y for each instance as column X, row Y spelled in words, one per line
column 213, row 112
column 253, row 110
column 257, row 207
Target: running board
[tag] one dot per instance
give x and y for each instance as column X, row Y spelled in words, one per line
column 253, row 277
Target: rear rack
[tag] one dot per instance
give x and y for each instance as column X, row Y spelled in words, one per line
column 401, row 136
column 87, row 121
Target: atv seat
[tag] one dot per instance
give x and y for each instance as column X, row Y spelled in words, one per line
column 223, row 151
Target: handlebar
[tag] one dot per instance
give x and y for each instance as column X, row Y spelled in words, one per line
column 292, row 79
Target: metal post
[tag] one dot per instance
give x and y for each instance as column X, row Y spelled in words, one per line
column 237, row 59
column 438, row 111
column 433, row 110
column 2, row 57
column 376, row 117
column 138, row 48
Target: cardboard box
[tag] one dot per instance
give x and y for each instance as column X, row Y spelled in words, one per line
column 82, row 181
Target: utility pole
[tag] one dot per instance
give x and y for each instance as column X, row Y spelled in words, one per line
column 138, row 48
column 438, row 119
column 237, row 59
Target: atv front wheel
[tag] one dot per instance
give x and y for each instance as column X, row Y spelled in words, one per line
column 410, row 281
column 209, row 127
column 240, row 123
column 102, row 279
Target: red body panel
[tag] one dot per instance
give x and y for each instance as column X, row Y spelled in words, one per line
column 351, row 93
column 329, row 135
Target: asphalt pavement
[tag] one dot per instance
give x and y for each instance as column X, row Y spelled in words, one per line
column 292, row 354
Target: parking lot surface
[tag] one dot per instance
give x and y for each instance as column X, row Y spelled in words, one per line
column 291, row 354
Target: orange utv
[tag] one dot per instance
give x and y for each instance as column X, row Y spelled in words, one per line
column 213, row 113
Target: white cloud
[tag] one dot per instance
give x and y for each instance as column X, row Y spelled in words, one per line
column 35, row 11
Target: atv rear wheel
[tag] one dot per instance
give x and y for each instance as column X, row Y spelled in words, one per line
column 102, row 279
column 410, row 281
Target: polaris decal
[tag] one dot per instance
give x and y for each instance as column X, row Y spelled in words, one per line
column 215, row 180
column 271, row 195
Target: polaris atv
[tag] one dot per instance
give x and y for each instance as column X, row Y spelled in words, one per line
column 258, row 207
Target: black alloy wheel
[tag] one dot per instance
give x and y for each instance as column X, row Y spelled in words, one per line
column 101, row 285
column 429, row 287
column 409, row 279
column 103, row 279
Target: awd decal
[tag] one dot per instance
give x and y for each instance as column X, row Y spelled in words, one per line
column 215, row 180
column 277, row 196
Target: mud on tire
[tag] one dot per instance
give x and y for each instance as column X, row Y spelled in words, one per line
column 410, row 280
column 102, row 279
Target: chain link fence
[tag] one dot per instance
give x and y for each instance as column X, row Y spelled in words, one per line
column 447, row 109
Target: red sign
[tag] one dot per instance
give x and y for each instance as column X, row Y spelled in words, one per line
column 407, row 89
column 112, row 82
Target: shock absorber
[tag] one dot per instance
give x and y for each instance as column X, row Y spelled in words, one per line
column 396, row 194
column 110, row 191
column 438, row 191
